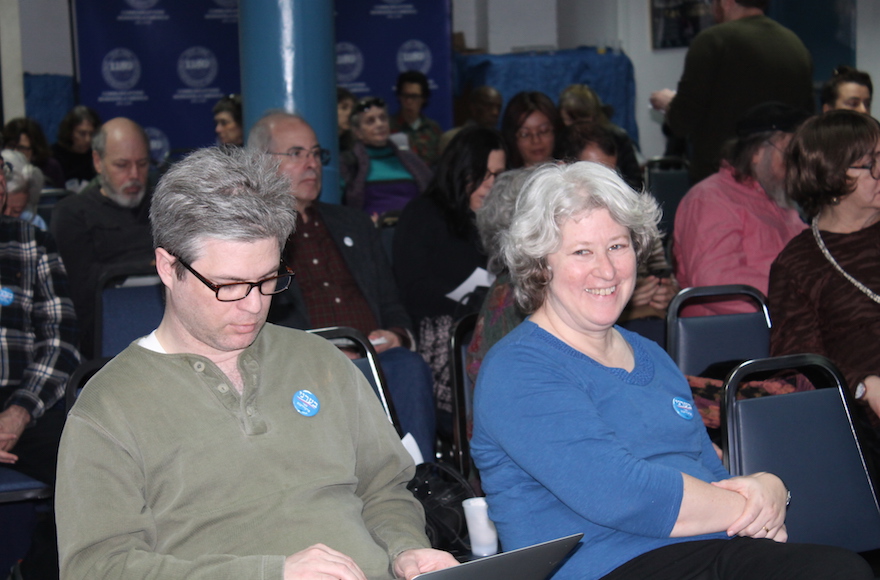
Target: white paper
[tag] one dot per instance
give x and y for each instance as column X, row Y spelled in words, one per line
column 479, row 277
column 409, row 443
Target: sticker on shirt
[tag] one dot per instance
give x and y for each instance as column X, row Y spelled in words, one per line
column 6, row 296
column 306, row 403
column 685, row 409
column 348, row 241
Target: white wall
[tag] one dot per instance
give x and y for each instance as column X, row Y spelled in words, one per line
column 45, row 39
column 868, row 43
column 521, row 23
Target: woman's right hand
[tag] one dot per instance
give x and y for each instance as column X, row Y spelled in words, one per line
column 764, row 512
column 872, row 393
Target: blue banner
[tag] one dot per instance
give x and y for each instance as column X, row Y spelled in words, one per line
column 376, row 40
column 162, row 63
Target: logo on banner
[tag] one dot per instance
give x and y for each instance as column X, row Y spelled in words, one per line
column 414, row 55
column 121, row 69
column 159, row 145
column 349, row 62
column 141, row 4
column 197, row 67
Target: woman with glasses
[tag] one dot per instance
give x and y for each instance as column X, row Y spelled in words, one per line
column 378, row 176
column 437, row 248
column 825, row 284
column 26, row 136
column 530, row 127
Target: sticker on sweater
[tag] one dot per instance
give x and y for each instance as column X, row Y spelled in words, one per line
column 6, row 296
column 685, row 409
column 306, row 403
column 348, row 241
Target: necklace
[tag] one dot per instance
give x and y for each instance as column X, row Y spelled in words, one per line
column 867, row 291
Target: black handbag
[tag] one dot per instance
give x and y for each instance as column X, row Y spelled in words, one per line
column 441, row 489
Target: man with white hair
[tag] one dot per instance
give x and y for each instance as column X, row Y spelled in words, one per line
column 107, row 223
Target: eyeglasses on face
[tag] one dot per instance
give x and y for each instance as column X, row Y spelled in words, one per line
column 300, row 155
column 235, row 291
column 542, row 133
column 873, row 167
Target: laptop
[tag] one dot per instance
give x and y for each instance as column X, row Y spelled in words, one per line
column 530, row 563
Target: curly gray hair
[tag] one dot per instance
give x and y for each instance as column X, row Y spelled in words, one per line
column 554, row 194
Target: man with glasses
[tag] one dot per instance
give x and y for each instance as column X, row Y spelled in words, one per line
column 222, row 447
column 343, row 277
column 731, row 226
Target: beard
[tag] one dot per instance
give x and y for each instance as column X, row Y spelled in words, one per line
column 129, row 200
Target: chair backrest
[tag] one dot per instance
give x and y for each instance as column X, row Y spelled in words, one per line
column 15, row 486
column 697, row 342
column 809, row 440
column 668, row 181
column 128, row 306
column 462, row 391
column 368, row 364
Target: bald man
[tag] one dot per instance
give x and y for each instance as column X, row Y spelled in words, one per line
column 106, row 224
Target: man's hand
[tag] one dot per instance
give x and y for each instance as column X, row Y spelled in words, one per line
column 391, row 340
column 320, row 561
column 411, row 563
column 661, row 99
column 12, row 423
column 764, row 513
column 665, row 291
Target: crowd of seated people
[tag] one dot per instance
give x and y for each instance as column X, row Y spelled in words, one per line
column 454, row 216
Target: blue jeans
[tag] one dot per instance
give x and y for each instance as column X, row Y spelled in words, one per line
column 412, row 392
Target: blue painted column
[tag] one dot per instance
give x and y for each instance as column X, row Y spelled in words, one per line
column 288, row 61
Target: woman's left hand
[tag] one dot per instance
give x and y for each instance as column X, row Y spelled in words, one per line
column 764, row 513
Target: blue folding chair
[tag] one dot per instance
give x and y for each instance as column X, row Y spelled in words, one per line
column 462, row 391
column 129, row 305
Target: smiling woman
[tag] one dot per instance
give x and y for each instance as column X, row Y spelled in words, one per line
column 580, row 425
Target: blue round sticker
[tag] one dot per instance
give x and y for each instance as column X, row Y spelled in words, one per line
column 6, row 296
column 685, row 409
column 306, row 403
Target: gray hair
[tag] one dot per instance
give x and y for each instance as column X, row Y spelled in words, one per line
column 260, row 136
column 225, row 193
column 23, row 175
column 554, row 194
column 494, row 218
column 99, row 141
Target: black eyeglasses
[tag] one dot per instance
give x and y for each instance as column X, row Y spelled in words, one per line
column 873, row 167
column 300, row 155
column 239, row 290
column 368, row 103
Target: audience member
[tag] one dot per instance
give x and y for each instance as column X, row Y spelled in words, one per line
column 413, row 92
column 345, row 101
column 591, row 141
column 378, row 176
column 582, row 426
column 73, row 150
column 228, row 121
column 731, row 226
column 343, row 277
column 26, row 136
column 38, row 345
column 23, row 187
column 184, row 457
column 745, row 60
column 530, row 127
column 581, row 103
column 438, row 262
column 484, row 107
column 107, row 223
column 848, row 88
column 824, row 285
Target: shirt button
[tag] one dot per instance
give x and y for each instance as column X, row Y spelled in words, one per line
column 338, row 300
column 249, row 410
column 199, row 366
column 305, row 235
column 326, row 284
column 315, row 261
column 222, row 388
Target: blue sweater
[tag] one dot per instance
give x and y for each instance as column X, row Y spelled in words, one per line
column 566, row 445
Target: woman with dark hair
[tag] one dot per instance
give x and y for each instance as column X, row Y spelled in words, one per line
column 345, row 101
column 825, row 285
column 73, row 150
column 26, row 136
column 848, row 88
column 437, row 253
column 530, row 127
column 228, row 120
column 413, row 91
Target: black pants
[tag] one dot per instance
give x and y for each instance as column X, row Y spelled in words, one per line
column 744, row 559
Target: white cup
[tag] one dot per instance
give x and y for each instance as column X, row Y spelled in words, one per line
column 484, row 537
